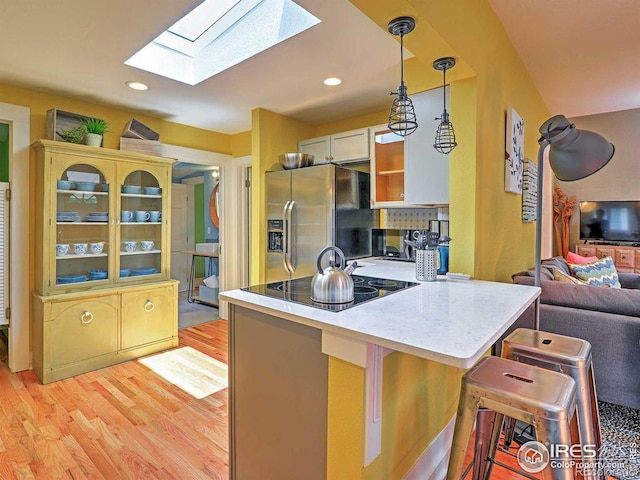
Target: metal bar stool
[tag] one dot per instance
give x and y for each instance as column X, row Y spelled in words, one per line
column 498, row 387
column 571, row 356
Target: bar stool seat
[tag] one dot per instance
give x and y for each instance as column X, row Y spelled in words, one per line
column 496, row 387
column 571, row 356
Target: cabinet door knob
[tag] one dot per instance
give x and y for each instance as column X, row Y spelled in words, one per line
column 86, row 318
column 149, row 306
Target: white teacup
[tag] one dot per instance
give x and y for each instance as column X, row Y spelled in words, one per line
column 147, row 245
column 62, row 249
column 129, row 246
column 97, row 247
column 80, row 248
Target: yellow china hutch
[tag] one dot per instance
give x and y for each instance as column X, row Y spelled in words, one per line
column 103, row 291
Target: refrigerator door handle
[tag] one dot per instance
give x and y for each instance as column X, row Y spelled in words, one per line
column 285, row 234
column 291, row 249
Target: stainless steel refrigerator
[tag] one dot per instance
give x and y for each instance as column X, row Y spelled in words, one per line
column 311, row 208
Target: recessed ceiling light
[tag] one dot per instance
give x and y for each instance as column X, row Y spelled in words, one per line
column 332, row 81
column 137, row 86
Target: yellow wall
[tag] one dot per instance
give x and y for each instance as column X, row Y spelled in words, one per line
column 271, row 135
column 241, row 144
column 172, row 133
column 353, row 123
column 419, row 397
column 462, row 178
column 345, row 415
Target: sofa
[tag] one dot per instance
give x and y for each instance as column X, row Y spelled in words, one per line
column 608, row 318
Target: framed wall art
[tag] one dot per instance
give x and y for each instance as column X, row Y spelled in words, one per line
column 514, row 152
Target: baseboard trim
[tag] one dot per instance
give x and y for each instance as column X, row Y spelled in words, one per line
column 432, row 464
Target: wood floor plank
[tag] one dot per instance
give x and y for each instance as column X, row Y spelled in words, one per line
column 84, row 465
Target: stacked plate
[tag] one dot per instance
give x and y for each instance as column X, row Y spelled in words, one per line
column 68, row 217
column 125, row 272
column 98, row 274
column 98, row 217
column 143, row 271
column 64, row 279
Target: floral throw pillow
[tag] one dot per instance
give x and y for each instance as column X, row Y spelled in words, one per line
column 602, row 272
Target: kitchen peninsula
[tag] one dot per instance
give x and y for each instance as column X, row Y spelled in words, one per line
column 368, row 392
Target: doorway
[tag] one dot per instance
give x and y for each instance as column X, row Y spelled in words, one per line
column 17, row 119
column 194, row 186
column 4, row 243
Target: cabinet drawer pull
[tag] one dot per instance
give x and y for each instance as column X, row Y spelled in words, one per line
column 86, row 318
column 149, row 306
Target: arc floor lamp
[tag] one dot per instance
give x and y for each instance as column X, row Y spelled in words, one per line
column 573, row 155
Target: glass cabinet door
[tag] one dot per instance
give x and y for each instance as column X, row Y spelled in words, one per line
column 140, row 218
column 80, row 211
column 387, row 152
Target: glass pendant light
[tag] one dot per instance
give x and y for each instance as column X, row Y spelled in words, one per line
column 445, row 136
column 402, row 116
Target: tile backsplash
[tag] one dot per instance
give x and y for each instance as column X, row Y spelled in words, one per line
column 411, row 218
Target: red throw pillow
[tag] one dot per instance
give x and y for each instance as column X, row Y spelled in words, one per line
column 579, row 259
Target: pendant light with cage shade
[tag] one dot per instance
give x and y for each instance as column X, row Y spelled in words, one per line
column 402, row 116
column 445, row 135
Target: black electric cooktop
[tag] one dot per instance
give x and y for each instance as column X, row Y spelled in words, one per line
column 298, row 290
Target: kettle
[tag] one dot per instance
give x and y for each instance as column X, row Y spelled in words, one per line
column 333, row 284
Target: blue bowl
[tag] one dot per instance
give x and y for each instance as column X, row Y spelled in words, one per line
column 131, row 189
column 151, row 190
column 125, row 272
column 143, row 271
column 85, row 186
column 65, row 185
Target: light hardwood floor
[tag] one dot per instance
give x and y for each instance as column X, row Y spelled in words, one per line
column 121, row 422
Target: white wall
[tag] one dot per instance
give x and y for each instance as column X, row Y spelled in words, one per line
column 618, row 180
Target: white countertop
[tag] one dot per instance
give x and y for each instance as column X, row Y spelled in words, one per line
column 450, row 321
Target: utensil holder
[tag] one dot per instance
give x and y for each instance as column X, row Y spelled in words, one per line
column 426, row 265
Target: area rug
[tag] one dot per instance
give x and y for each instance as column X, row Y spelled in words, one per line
column 620, row 441
column 190, row 370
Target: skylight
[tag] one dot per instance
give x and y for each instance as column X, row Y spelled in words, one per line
column 219, row 34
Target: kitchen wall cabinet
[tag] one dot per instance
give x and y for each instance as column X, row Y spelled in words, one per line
column 625, row 258
column 341, row 147
column 93, row 308
column 409, row 172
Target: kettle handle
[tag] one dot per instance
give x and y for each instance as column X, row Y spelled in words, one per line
column 340, row 253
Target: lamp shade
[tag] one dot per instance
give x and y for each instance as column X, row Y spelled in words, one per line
column 574, row 154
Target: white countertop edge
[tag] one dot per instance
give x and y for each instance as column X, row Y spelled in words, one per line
column 454, row 361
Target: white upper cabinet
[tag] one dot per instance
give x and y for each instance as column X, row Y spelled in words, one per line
column 427, row 171
column 342, row 147
column 319, row 147
column 409, row 172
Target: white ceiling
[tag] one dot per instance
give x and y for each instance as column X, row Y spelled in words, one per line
column 581, row 54
column 78, row 48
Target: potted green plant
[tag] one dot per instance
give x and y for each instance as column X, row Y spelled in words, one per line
column 95, row 130
column 76, row 135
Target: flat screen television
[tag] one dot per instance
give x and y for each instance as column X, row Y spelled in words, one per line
column 614, row 221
